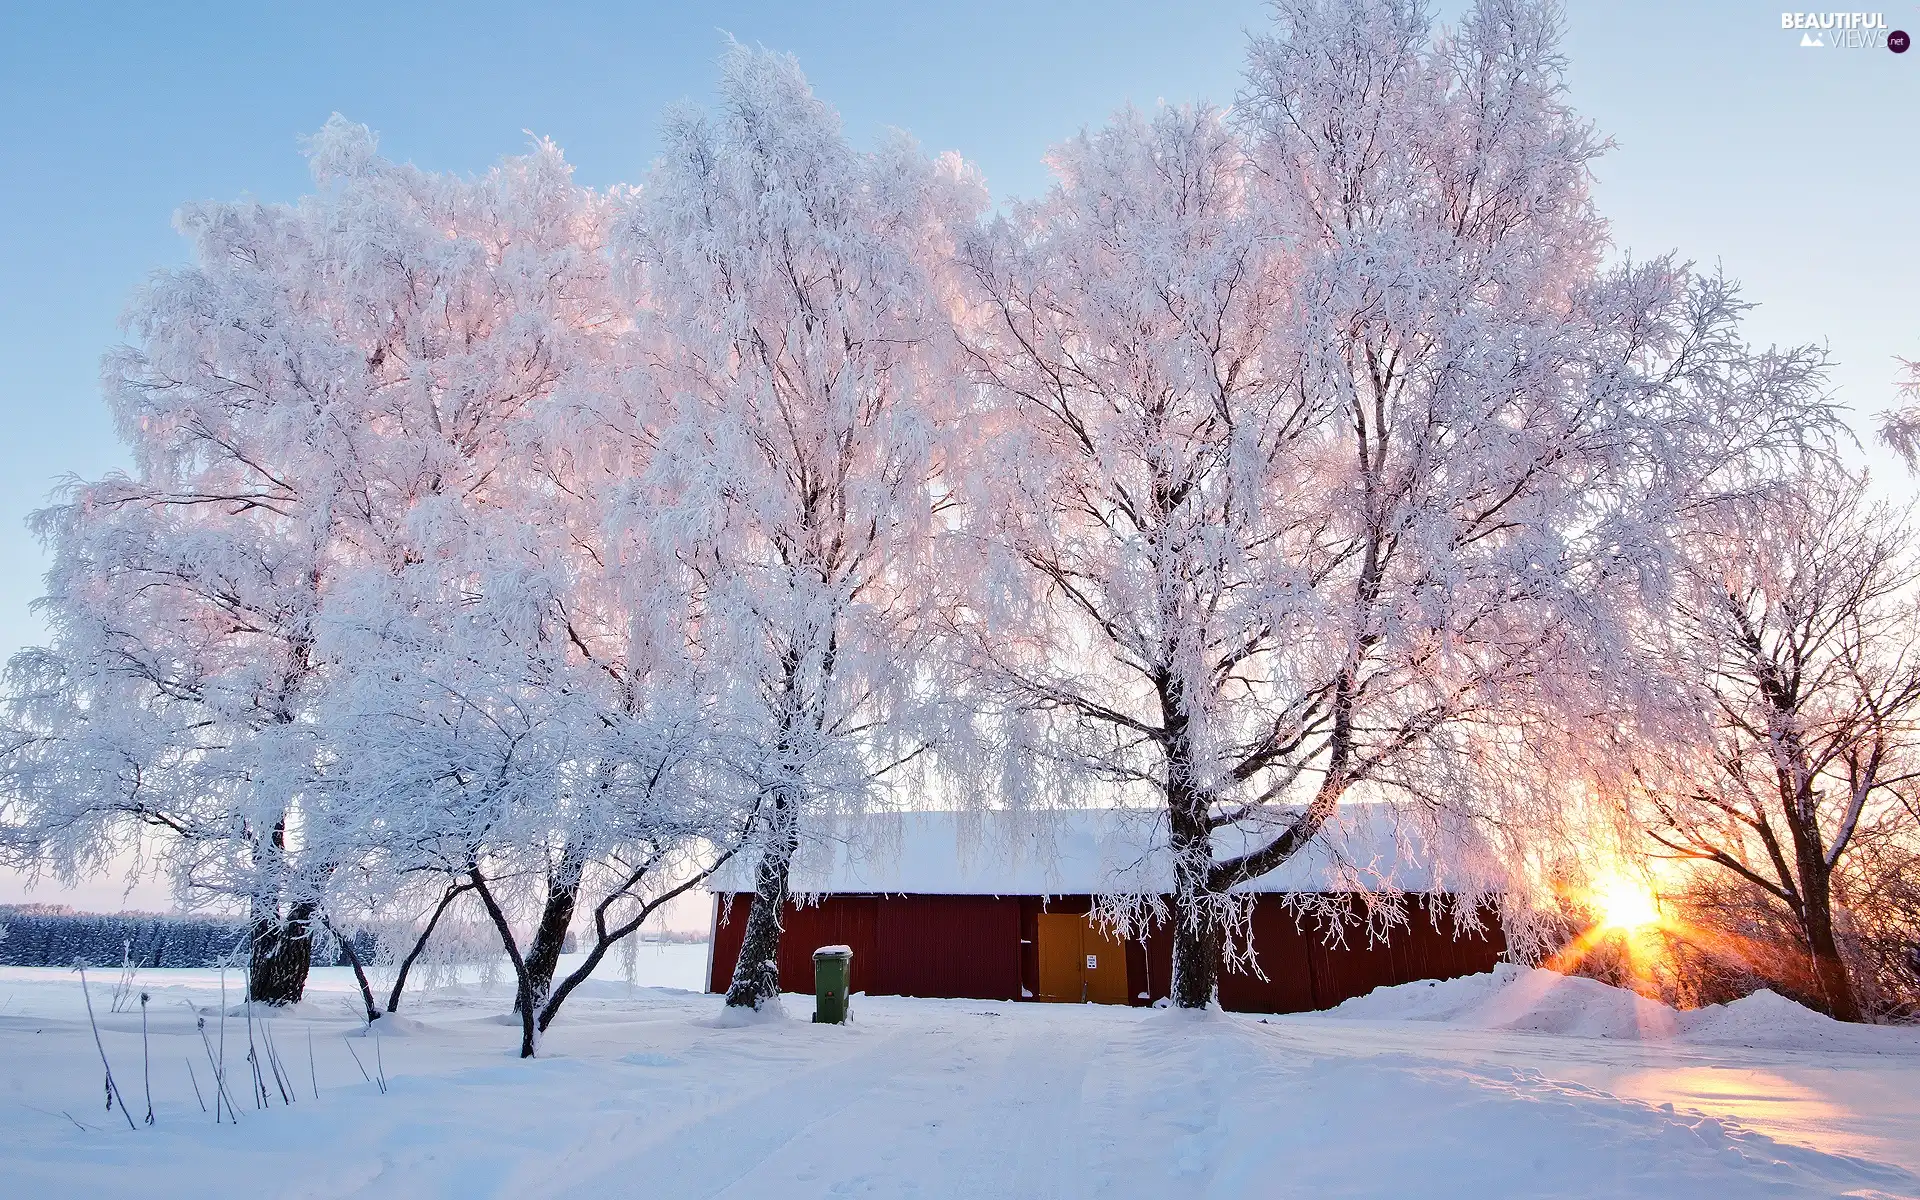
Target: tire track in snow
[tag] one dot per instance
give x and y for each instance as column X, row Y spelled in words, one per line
column 689, row 1140
column 988, row 1107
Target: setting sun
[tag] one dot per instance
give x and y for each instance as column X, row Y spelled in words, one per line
column 1625, row 904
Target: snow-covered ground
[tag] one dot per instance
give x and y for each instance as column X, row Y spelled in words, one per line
column 1518, row 1084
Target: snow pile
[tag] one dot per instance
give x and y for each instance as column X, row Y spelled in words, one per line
column 398, row 1025
column 1537, row 1001
column 769, row 1011
column 1520, row 998
column 1770, row 1020
column 1533, row 1000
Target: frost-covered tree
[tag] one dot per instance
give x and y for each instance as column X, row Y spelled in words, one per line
column 535, row 734
column 316, row 407
column 442, row 637
column 795, row 284
column 1792, row 738
column 183, row 599
column 515, row 668
column 1900, row 426
column 1336, row 462
column 653, row 804
column 1131, row 324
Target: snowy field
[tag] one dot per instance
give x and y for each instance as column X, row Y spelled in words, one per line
column 1518, row 1084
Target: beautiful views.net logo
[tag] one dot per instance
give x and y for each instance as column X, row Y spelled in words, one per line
column 1846, row 31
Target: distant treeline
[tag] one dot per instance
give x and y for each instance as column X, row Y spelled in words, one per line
column 41, row 939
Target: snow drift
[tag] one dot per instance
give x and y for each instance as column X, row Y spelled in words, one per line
column 1533, row 1000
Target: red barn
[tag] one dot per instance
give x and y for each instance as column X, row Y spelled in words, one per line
column 976, row 906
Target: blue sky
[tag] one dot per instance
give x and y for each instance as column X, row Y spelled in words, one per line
column 1794, row 168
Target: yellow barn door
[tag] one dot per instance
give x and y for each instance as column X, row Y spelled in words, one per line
column 1080, row 961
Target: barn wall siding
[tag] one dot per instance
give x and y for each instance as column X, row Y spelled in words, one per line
column 1029, row 946
column 1426, row 951
column 961, row 946
column 1284, row 958
column 984, row 947
column 729, row 929
column 833, row 921
column 849, row 921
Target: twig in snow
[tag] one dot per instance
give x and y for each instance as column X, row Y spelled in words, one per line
column 146, row 1058
column 288, row 1092
column 113, row 1090
column 253, row 1058
column 313, row 1076
column 379, row 1061
column 196, row 1083
column 82, row 1126
column 220, row 1068
column 219, row 1077
column 123, row 990
column 356, row 1059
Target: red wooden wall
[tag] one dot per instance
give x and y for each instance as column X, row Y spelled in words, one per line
column 983, row 947
column 1303, row 972
column 962, row 946
column 836, row 921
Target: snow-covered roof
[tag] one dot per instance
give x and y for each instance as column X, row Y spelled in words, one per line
column 1368, row 847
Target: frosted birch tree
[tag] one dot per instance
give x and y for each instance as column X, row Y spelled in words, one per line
column 796, row 285
column 1900, row 426
column 452, row 670
column 1341, row 460
column 314, row 407
column 176, row 694
column 656, row 806
column 528, row 713
column 1131, row 323
column 1793, row 736
column 516, row 678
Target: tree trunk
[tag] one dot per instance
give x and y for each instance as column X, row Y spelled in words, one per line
column 563, row 893
column 1196, row 929
column 604, row 938
column 1830, row 974
column 756, row 976
column 529, row 1041
column 420, row 944
column 282, row 951
column 1196, row 963
column 359, row 972
column 1833, row 986
column 1196, row 918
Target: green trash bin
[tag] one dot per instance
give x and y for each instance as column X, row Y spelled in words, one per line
column 832, row 972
